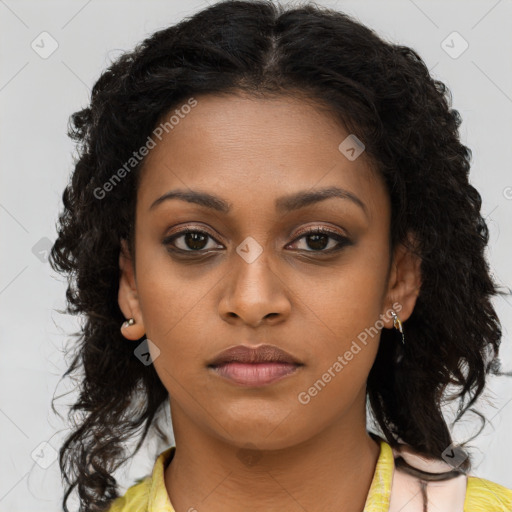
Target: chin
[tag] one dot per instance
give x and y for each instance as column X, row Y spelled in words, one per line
column 262, row 433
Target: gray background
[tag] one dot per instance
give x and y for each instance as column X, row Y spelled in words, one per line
column 38, row 94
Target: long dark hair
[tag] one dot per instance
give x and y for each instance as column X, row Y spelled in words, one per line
column 382, row 92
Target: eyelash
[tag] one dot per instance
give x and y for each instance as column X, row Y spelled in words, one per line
column 342, row 240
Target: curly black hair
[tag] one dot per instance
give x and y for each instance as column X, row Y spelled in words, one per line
column 382, row 92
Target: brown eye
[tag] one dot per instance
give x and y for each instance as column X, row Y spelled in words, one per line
column 318, row 240
column 189, row 241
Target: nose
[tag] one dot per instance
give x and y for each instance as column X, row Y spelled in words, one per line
column 254, row 293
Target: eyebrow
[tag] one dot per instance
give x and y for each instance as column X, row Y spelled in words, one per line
column 283, row 204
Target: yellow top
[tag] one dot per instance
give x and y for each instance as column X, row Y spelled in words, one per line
column 150, row 494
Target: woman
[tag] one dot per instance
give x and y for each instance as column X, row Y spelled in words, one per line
column 269, row 227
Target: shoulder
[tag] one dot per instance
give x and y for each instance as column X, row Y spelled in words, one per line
column 483, row 495
column 134, row 500
column 148, row 493
column 477, row 494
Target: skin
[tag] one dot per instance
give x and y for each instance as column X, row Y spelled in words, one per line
column 250, row 152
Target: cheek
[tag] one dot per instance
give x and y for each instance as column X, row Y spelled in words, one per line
column 346, row 345
column 346, row 312
column 349, row 298
column 168, row 292
column 173, row 310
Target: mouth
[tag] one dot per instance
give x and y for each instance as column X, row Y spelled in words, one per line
column 254, row 366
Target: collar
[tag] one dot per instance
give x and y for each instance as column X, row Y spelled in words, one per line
column 377, row 500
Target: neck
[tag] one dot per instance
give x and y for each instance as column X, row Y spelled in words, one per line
column 330, row 471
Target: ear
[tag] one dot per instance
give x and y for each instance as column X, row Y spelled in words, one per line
column 127, row 296
column 404, row 281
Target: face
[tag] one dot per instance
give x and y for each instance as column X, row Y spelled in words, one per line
column 251, row 268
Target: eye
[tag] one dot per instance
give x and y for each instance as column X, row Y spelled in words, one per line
column 318, row 239
column 192, row 240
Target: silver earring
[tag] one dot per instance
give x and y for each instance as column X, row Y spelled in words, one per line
column 128, row 322
column 397, row 324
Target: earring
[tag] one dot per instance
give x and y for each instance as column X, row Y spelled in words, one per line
column 397, row 324
column 128, row 323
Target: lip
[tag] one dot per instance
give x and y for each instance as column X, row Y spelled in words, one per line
column 255, row 374
column 253, row 355
column 254, row 366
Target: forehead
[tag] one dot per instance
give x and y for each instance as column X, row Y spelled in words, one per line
column 235, row 145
